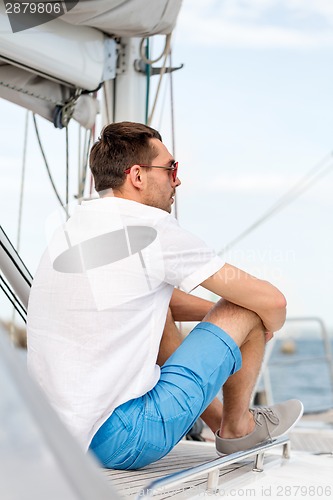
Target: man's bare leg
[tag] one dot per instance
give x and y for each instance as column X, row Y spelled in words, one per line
column 238, row 389
column 247, row 330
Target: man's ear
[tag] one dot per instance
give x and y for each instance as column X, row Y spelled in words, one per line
column 136, row 176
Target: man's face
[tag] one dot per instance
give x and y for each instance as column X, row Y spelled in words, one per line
column 160, row 187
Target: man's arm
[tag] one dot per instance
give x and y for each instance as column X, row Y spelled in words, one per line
column 186, row 307
column 260, row 296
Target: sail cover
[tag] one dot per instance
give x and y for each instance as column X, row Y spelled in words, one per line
column 130, row 18
column 42, row 65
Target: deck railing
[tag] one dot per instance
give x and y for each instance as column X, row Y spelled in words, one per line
column 213, row 468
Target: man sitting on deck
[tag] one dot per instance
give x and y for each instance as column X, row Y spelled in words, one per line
column 102, row 339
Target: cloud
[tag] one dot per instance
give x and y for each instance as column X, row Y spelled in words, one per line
column 298, row 24
column 310, row 8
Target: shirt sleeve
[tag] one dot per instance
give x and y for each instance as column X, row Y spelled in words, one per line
column 188, row 261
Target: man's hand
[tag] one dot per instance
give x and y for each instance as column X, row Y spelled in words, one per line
column 268, row 336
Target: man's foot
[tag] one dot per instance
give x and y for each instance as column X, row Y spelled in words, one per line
column 270, row 422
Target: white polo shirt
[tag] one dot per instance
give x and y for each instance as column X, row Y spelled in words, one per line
column 98, row 306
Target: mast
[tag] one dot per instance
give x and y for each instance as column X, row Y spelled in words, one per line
column 125, row 95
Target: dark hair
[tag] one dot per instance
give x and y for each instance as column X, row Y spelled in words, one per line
column 120, row 146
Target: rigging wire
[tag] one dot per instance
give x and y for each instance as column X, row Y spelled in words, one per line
column 91, row 138
column 7, row 246
column 162, row 72
column 83, row 161
column 24, row 160
column 162, row 107
column 79, row 161
column 20, row 211
column 173, row 145
column 307, row 181
column 148, row 73
column 47, row 165
column 82, row 169
column 18, row 307
column 173, row 136
column 173, row 141
column 88, row 143
column 67, row 170
column 172, row 109
column 106, row 103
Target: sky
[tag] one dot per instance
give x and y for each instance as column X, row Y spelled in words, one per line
column 253, row 115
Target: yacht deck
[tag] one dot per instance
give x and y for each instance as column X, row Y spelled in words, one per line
column 313, row 434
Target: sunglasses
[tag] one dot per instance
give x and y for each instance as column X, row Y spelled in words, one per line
column 173, row 169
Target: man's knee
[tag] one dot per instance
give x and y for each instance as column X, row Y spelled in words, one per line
column 234, row 320
column 224, row 309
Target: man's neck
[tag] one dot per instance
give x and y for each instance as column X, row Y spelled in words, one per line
column 115, row 193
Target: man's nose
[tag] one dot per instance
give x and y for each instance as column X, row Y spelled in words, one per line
column 177, row 182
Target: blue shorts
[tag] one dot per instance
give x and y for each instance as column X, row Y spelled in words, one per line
column 145, row 429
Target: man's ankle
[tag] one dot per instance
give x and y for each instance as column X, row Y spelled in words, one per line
column 237, row 427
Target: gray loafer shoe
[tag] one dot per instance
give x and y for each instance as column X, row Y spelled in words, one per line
column 270, row 423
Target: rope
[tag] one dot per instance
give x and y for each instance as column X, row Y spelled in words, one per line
column 294, row 192
column 165, row 51
column 46, row 164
